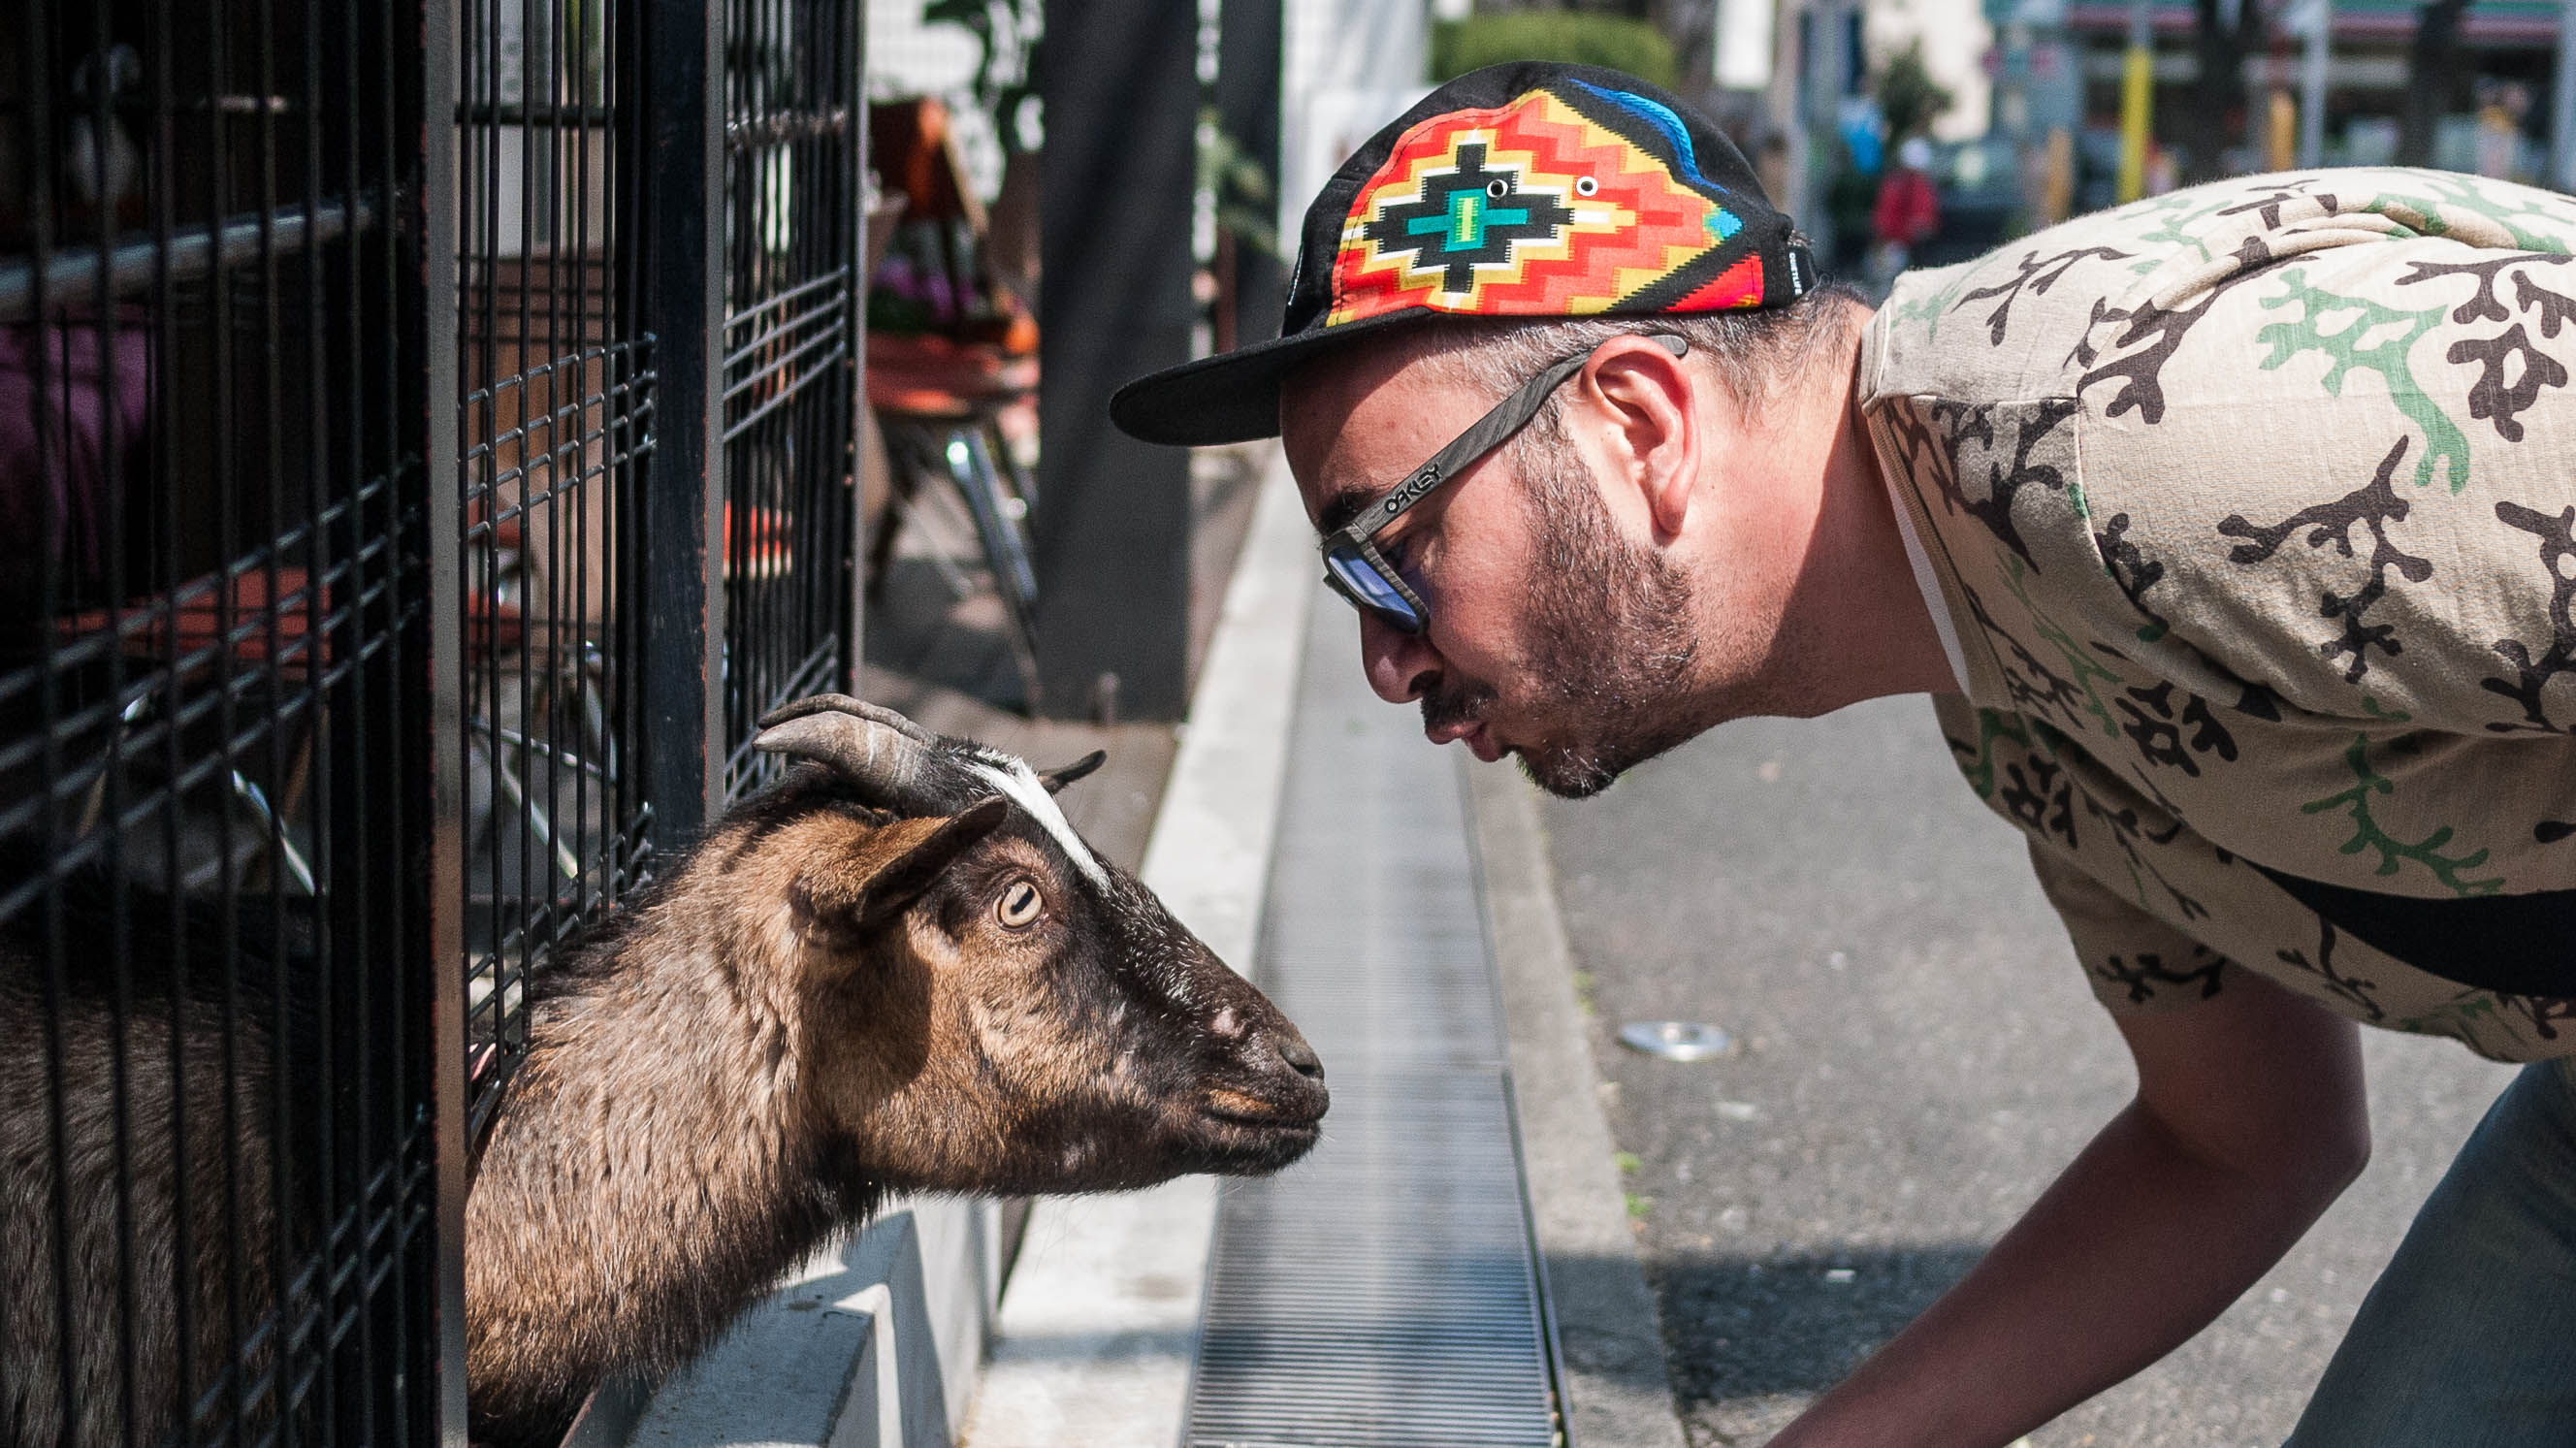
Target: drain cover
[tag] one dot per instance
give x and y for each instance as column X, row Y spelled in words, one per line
column 1676, row 1040
column 1380, row 1293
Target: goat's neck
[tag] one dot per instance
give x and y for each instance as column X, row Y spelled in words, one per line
column 653, row 1168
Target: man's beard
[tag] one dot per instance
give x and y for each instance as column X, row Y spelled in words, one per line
column 1608, row 648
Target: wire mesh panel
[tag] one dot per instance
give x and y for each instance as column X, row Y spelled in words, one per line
column 553, row 419
column 793, row 142
column 215, row 1073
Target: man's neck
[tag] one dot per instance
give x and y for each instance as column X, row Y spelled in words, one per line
column 1856, row 624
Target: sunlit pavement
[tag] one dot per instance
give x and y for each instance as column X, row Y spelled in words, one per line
column 1917, row 1056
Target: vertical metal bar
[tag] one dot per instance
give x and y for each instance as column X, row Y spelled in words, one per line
column 224, row 482
column 568, row 644
column 2562, row 102
column 1247, row 104
column 104, row 123
column 285, row 1324
column 683, row 524
column 436, row 220
column 1112, row 521
column 2137, row 100
column 334, row 876
column 1826, row 69
column 163, row 200
column 408, row 94
column 853, row 208
column 36, row 80
column 2312, row 81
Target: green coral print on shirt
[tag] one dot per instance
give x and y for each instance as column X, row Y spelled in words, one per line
column 2354, row 333
column 1928, row 309
column 2084, row 666
column 2394, row 853
column 2422, row 211
column 2175, row 214
column 1977, row 761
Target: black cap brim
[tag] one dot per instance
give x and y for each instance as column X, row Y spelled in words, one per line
column 1232, row 396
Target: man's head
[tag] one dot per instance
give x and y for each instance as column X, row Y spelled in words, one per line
column 1621, row 565
column 1612, row 579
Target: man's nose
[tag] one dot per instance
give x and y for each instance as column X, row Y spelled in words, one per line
column 1401, row 667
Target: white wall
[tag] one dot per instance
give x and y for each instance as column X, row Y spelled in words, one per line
column 1347, row 67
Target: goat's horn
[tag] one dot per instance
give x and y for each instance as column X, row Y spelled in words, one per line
column 892, row 764
column 844, row 704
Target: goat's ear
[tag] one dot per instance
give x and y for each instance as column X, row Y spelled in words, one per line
column 861, row 893
column 1056, row 779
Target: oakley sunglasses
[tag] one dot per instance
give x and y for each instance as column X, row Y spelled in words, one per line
column 1353, row 565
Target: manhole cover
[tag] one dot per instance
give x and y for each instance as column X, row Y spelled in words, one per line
column 1676, row 1040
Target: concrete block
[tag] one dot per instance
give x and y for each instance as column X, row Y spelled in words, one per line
column 874, row 1343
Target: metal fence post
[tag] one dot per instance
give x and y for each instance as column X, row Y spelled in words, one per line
column 1247, row 106
column 682, row 595
column 862, row 427
column 1113, row 515
column 436, row 223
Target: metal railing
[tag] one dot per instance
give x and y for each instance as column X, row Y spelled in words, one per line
column 426, row 446
column 215, row 991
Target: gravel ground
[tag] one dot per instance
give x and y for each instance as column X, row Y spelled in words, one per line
column 1917, row 1056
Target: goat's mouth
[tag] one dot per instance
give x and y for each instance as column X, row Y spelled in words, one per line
column 1256, row 1133
column 1264, row 1120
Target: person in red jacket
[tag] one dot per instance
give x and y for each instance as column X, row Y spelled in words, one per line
column 1908, row 212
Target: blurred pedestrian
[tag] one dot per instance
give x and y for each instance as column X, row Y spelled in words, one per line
column 1907, row 214
column 2273, row 666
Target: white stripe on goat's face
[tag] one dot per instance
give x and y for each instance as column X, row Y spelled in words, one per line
column 1019, row 783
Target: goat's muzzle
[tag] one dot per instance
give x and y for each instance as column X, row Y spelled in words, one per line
column 1266, row 1108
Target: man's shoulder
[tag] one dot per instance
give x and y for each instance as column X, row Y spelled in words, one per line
column 2062, row 312
column 2332, row 459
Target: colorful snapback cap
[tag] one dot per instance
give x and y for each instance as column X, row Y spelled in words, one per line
column 1522, row 190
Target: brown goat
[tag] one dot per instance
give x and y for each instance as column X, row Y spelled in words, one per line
column 901, row 971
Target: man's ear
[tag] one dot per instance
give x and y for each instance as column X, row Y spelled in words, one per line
column 1653, row 439
column 1056, row 779
column 856, row 895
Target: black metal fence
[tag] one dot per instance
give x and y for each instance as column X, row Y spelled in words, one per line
column 552, row 432
column 216, row 1051
column 793, row 252
column 426, row 445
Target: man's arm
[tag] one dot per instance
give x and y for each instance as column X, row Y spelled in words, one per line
column 2250, row 1119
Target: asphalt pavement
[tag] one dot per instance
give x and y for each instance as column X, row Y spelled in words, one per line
column 1917, row 1055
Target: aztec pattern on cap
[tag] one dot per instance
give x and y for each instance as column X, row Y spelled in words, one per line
column 1570, row 200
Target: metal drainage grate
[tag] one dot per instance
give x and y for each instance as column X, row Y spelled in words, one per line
column 1383, row 1291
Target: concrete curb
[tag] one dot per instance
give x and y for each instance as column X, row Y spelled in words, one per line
column 1617, row 1392
column 1099, row 1327
column 872, row 1343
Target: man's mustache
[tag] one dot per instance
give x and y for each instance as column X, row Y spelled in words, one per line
column 1460, row 703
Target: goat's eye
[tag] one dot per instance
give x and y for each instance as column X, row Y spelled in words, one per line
column 1018, row 905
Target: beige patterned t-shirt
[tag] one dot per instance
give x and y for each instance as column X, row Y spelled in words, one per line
column 2253, row 508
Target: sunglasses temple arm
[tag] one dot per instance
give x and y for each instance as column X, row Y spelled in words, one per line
column 1496, row 427
column 1492, row 430
column 1486, row 434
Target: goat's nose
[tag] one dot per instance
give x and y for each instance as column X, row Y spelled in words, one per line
column 1301, row 1057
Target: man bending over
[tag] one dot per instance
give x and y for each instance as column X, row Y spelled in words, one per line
column 2233, row 533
